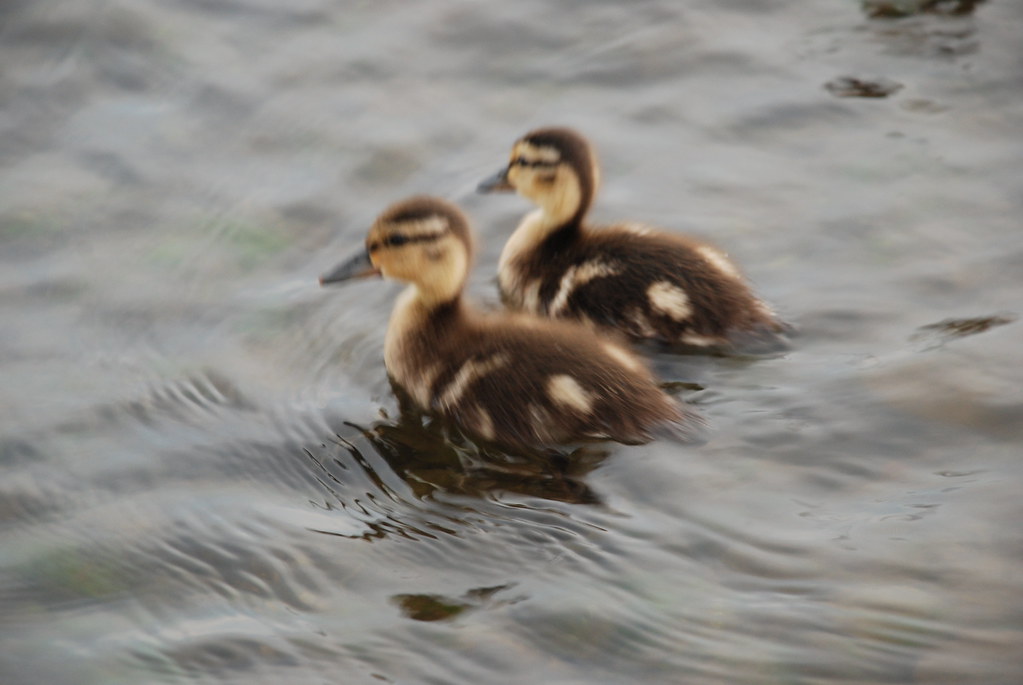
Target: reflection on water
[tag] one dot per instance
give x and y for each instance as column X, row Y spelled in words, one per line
column 906, row 8
column 206, row 477
column 392, row 486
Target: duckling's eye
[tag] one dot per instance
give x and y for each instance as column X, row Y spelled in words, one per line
column 396, row 240
column 520, row 161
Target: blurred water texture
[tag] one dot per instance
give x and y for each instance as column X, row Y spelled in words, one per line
column 204, row 474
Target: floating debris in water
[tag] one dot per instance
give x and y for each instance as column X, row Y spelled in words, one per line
column 937, row 334
column 852, row 87
column 429, row 607
column 893, row 9
column 421, row 607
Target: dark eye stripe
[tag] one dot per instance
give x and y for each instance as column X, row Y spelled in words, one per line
column 400, row 239
column 522, row 161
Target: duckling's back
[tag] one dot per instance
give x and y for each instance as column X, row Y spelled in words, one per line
column 644, row 283
column 518, row 380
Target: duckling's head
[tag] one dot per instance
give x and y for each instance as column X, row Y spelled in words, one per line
column 556, row 168
column 423, row 240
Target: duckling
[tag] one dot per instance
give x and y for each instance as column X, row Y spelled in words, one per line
column 509, row 378
column 648, row 284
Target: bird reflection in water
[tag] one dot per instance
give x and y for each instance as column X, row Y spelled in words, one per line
column 429, row 463
column 432, row 457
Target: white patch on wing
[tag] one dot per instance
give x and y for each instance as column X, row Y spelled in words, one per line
column 670, row 300
column 420, row 384
column 470, row 371
column 699, row 340
column 623, row 357
column 577, row 276
column 590, row 270
column 719, row 260
column 566, row 390
column 637, row 229
column 531, row 296
column 481, row 422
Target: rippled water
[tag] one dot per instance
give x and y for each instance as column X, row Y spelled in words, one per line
column 204, row 474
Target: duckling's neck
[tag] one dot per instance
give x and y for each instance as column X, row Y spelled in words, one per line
column 534, row 229
column 565, row 207
column 435, row 294
column 411, row 326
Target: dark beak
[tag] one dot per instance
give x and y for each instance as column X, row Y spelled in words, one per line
column 496, row 183
column 358, row 266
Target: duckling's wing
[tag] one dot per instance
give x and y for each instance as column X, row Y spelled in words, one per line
column 662, row 287
column 541, row 383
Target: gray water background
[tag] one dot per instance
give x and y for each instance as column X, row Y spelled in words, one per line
column 203, row 476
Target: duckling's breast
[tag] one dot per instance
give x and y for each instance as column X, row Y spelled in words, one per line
column 408, row 353
column 517, row 275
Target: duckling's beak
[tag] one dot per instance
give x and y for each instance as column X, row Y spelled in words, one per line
column 496, row 183
column 358, row 266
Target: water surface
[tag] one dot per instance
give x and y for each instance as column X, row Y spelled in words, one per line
column 205, row 476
